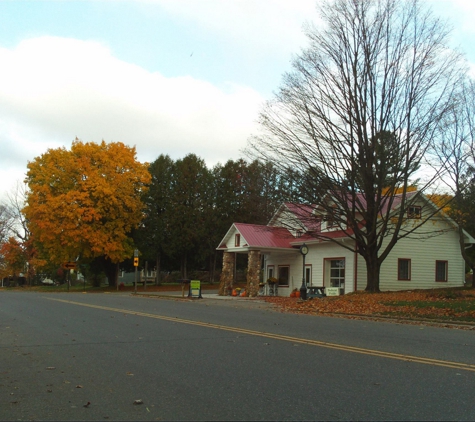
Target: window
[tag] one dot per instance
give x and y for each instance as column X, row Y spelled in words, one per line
column 334, row 273
column 337, row 272
column 283, row 276
column 270, row 271
column 237, row 240
column 331, row 220
column 441, row 270
column 414, row 212
column 403, row 269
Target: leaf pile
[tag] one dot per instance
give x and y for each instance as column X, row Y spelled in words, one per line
column 440, row 304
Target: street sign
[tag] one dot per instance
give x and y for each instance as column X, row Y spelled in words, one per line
column 70, row 265
column 136, row 262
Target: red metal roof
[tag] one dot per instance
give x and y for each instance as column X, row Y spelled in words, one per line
column 305, row 214
column 395, row 201
column 265, row 236
column 259, row 236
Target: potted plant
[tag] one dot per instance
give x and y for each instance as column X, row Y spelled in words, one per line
column 271, row 280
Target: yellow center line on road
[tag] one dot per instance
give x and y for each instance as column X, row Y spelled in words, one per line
column 389, row 355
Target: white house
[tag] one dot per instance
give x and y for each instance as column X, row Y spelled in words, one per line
column 429, row 258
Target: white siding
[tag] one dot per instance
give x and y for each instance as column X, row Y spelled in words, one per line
column 230, row 241
column 317, row 255
column 288, row 220
column 423, row 251
column 315, row 258
column 361, row 273
column 423, row 248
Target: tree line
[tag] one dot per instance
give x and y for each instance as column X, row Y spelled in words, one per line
column 95, row 203
column 189, row 208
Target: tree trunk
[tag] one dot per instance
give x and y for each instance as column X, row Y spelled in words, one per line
column 373, row 268
column 146, row 276
column 112, row 272
column 183, row 267
column 213, row 268
column 210, row 268
column 157, row 275
column 468, row 261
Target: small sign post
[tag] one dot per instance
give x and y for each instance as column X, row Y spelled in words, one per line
column 71, row 266
column 195, row 287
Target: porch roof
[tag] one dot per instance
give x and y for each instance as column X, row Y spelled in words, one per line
column 259, row 236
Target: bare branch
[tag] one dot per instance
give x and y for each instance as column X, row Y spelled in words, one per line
column 358, row 114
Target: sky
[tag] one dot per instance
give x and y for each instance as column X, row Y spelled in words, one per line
column 166, row 76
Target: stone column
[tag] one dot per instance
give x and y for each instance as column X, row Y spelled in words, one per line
column 253, row 273
column 227, row 275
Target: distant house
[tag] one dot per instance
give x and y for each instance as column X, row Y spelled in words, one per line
column 429, row 258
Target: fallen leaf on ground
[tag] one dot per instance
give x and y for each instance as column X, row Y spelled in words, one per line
column 451, row 304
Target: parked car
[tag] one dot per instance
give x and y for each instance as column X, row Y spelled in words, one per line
column 47, row 281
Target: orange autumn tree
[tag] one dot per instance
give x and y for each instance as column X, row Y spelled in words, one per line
column 443, row 201
column 398, row 190
column 84, row 202
column 12, row 257
column 18, row 258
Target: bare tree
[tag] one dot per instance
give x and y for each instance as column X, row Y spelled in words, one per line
column 14, row 231
column 16, row 203
column 454, row 149
column 358, row 113
column 6, row 223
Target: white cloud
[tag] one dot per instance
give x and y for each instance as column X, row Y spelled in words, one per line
column 54, row 89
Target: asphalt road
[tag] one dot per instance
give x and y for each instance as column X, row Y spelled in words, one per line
column 91, row 356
